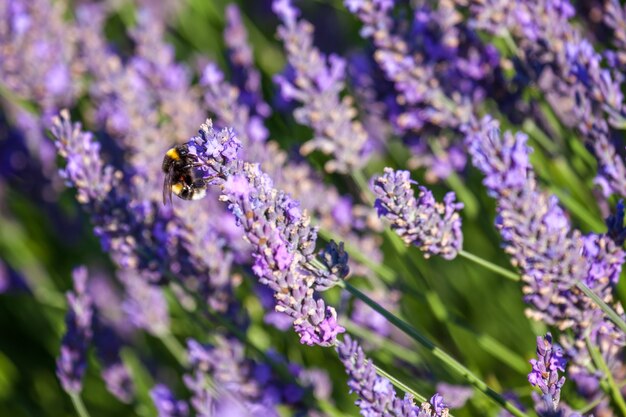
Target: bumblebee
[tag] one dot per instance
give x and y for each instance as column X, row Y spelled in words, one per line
column 181, row 177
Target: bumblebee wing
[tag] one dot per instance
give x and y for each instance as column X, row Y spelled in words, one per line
column 167, row 187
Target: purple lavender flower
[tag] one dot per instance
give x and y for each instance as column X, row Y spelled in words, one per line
column 439, row 67
column 245, row 74
column 545, row 372
column 567, row 70
column 551, row 256
column 166, row 404
column 533, row 226
column 537, row 232
column 433, row 227
column 34, row 32
column 615, row 18
column 351, row 222
column 222, row 377
column 376, row 394
column 280, row 233
column 72, row 360
column 318, row 83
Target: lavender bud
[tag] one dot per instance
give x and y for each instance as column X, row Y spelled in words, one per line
column 545, row 371
column 433, row 227
column 72, row 360
column 335, row 259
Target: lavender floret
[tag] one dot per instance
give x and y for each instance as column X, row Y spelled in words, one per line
column 433, row 227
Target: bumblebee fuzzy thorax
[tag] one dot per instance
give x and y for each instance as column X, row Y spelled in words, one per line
column 180, row 175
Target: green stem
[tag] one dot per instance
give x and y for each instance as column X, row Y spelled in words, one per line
column 464, row 194
column 618, row 399
column 174, row 347
column 578, row 209
column 79, row 405
column 444, row 357
column 586, row 290
column 615, row 318
column 385, row 344
column 399, row 384
column 489, row 265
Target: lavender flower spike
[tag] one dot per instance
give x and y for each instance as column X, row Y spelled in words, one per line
column 545, row 372
column 318, row 84
column 434, row 227
column 282, row 238
column 376, row 394
column 72, row 361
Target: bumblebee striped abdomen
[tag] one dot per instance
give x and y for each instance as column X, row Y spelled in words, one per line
column 180, row 177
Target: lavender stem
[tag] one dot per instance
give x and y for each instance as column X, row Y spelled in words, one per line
column 399, row 384
column 174, row 347
column 489, row 265
column 613, row 389
column 615, row 318
column 79, row 405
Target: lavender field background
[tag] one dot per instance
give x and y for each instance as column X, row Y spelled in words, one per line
column 413, row 208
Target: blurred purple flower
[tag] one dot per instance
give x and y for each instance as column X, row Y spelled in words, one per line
column 37, row 30
column 317, row 86
column 439, row 66
column 555, row 54
column 238, row 383
column 10, row 280
column 166, row 404
column 433, row 227
column 144, row 304
column 456, row 395
column 72, row 360
column 114, row 372
column 245, row 74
